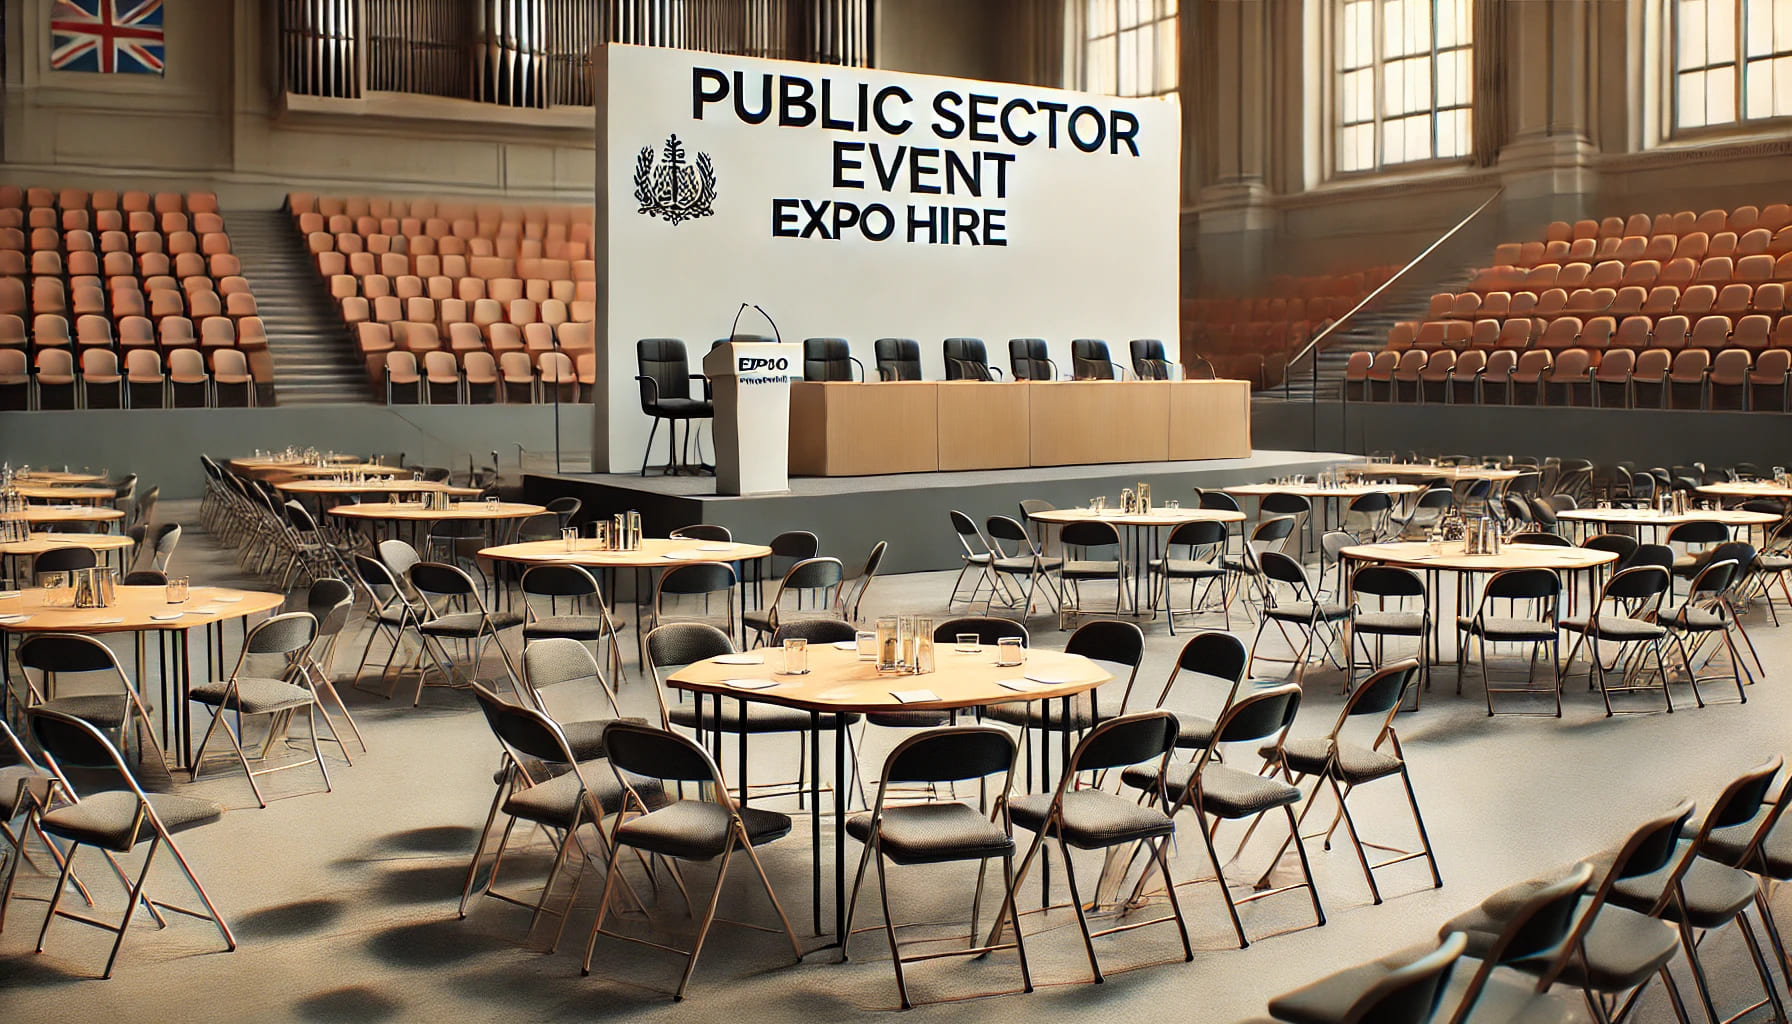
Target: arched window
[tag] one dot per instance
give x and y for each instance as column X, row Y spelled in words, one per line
column 1732, row 61
column 1128, row 47
column 1404, row 82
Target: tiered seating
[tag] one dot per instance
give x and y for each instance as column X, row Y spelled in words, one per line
column 1684, row 310
column 96, row 282
column 455, row 301
column 1253, row 338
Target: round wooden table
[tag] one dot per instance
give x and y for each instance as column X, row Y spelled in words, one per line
column 20, row 553
column 1140, row 538
column 654, row 553
column 1742, row 490
column 1417, row 555
column 143, row 610
column 338, row 469
column 66, row 492
column 1326, row 498
column 1656, row 521
column 414, row 513
column 66, row 514
column 839, row 684
column 348, row 487
column 58, row 477
column 1453, row 474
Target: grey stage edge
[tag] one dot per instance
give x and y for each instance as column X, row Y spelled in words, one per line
column 850, row 514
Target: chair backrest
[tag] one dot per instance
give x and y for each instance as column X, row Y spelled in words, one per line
column 54, row 653
column 1123, row 741
column 1089, row 360
column 666, row 369
column 1028, row 359
column 398, row 556
column 966, row 359
column 953, row 754
column 698, row 578
column 704, row 531
column 1005, row 528
column 816, row 631
column 1199, row 533
column 1651, row 554
column 1409, row 994
column 329, row 601
column 1539, row 924
column 65, row 560
column 1219, row 501
column 1090, row 534
column 1387, row 581
column 823, row 573
column 1523, row 585
column 1637, row 583
column 797, row 544
column 1382, row 693
column 990, row 630
column 898, row 358
column 440, row 579
column 1542, row 538
column 827, row 359
column 1257, row 716
column 1617, row 543
column 1148, row 359
column 523, row 730
column 1283, row 569
column 659, row 754
column 573, row 581
column 70, row 742
column 681, row 643
column 287, row 634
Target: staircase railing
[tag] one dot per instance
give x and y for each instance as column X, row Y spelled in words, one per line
column 1317, row 342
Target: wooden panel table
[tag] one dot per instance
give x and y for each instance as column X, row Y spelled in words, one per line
column 66, row 492
column 348, row 487
column 66, row 514
column 846, row 428
column 838, row 683
column 1081, row 422
column 57, row 477
column 1210, row 419
column 18, row 554
column 144, row 610
column 985, row 425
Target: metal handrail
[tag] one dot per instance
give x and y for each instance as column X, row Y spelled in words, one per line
column 1329, row 329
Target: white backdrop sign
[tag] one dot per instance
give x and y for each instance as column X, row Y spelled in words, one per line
column 865, row 204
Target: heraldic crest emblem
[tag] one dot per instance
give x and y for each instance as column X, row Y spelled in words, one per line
column 675, row 189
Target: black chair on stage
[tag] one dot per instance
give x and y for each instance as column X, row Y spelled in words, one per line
column 1148, row 359
column 829, row 359
column 665, row 377
column 1028, row 360
column 967, row 359
column 898, row 359
column 1089, row 360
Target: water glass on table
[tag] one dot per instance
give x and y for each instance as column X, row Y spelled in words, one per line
column 1009, row 652
column 796, row 657
column 176, row 590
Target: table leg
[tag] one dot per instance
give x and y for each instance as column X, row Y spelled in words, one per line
column 740, row 744
column 815, row 819
column 840, row 828
column 184, row 686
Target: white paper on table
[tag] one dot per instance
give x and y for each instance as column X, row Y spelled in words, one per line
column 716, row 547
column 740, row 659
column 914, row 696
column 13, row 620
column 1048, row 675
column 169, row 617
column 228, row 598
column 750, row 684
column 1021, row 685
column 106, row 622
column 846, row 645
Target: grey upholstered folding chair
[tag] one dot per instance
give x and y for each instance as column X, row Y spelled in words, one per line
column 586, row 618
column 1029, row 560
column 1202, row 542
column 1624, row 616
column 1246, row 568
column 703, row 531
column 941, row 832
column 1705, row 616
column 1540, row 591
column 1091, row 818
column 286, row 638
column 1395, row 591
column 390, row 614
column 1317, row 621
column 1215, row 660
column 852, row 597
column 330, row 601
column 441, row 587
column 1343, row 764
column 693, row 579
column 24, row 785
column 542, row 782
column 43, row 657
column 1611, row 950
column 1092, row 554
column 114, row 821
column 558, row 661
column 685, row 829
column 1403, row 992
column 1105, row 640
column 821, row 576
column 1229, row 793
column 974, row 554
column 1707, row 894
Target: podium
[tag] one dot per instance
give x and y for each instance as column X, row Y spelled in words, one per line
column 750, row 385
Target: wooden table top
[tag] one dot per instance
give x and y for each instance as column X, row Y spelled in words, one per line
column 66, row 514
column 1650, row 517
column 1313, row 490
column 66, row 492
column 282, row 462
column 340, row 468
column 653, row 551
column 59, row 476
column 370, row 487
column 1747, row 489
column 1158, row 516
column 839, row 682
column 1374, row 469
column 414, row 511
column 38, row 543
column 1417, row 554
column 135, row 610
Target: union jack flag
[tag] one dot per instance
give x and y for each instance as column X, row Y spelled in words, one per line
column 107, row 36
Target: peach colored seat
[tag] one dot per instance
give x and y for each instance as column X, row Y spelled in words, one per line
column 1752, row 332
column 1722, row 244
column 1716, row 270
column 470, row 289
column 1568, row 377
column 1661, row 300
column 1628, row 300
column 442, row 378
column 201, row 305
column 481, row 377
column 1775, row 216
column 556, row 372
column 136, row 332
column 1608, row 274
column 1767, row 383
column 12, row 331
column 176, row 332
column 1782, row 267
column 216, row 330
column 93, row 331
column 1559, row 231
column 401, row 377
column 1733, row 300
column 1768, row 298
column 464, row 337
column 1551, row 303
column 1696, row 301
column 1496, row 379
column 1669, row 333
column 1440, row 305
column 49, row 330
column 376, row 285
column 1710, row 333
column 518, row 375
column 1692, row 246
column 1755, row 269
column 1687, row 379
column 355, row 310
column 1434, row 377
column 1597, row 334
column 1648, row 382
column 1541, row 277
column 240, row 304
column 1679, row 272
column 1563, row 332
column 1465, row 376
column 575, row 337
column 1573, row 275
column 1493, row 304
column 1590, row 300
column 505, row 337
column 1611, row 380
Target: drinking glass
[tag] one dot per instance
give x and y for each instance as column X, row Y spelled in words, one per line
column 491, row 504
column 968, row 643
column 570, row 536
column 867, row 642
column 796, row 656
column 1009, row 652
column 176, row 589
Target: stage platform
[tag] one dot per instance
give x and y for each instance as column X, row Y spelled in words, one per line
column 850, row 514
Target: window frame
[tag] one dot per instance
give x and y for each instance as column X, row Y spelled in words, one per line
column 1741, row 123
column 1336, row 122
column 1088, row 38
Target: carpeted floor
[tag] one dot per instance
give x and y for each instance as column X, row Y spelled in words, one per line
column 344, row 903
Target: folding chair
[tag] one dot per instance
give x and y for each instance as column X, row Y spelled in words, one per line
column 1029, row 561
column 441, row 586
column 1304, row 610
column 1625, row 614
column 1541, row 590
column 684, row 829
column 113, row 821
column 941, row 832
column 1203, row 542
column 286, row 637
column 45, row 656
column 1406, row 991
column 1704, row 615
column 1401, row 588
column 576, row 586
